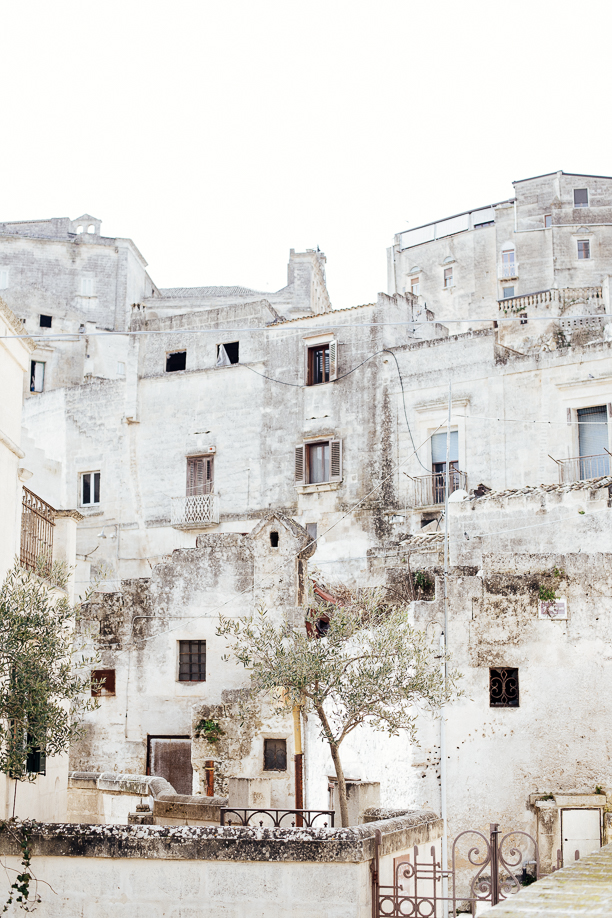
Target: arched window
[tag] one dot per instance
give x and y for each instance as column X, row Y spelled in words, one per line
column 91, row 228
column 79, row 229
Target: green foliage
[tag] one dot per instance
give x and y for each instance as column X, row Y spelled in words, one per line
column 44, row 682
column 599, row 789
column 372, row 667
column 19, row 892
column 422, row 581
column 211, row 730
column 547, row 594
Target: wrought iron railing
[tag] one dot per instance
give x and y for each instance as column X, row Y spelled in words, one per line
column 508, row 269
column 583, row 468
column 429, row 489
column 276, row 819
column 37, row 522
column 195, row 511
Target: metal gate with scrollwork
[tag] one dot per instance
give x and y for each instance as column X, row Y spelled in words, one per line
column 422, row 889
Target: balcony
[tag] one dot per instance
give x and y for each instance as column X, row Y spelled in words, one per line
column 507, row 270
column 197, row 511
column 583, row 468
column 429, row 489
column 37, row 522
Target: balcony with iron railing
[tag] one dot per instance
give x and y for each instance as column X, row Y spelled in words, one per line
column 583, row 468
column 507, row 270
column 195, row 511
column 37, row 523
column 429, row 490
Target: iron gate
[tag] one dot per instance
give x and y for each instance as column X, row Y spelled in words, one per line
column 422, row 889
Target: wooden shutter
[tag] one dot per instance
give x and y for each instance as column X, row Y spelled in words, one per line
column 333, row 360
column 335, row 460
column 199, row 475
column 300, row 478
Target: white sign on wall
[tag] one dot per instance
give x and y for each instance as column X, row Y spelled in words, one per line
column 553, row 608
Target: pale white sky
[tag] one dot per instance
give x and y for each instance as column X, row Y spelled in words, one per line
column 218, row 135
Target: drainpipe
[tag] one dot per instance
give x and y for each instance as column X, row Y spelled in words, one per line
column 299, row 763
column 443, row 756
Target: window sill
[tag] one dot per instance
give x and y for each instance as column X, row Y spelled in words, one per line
column 323, row 486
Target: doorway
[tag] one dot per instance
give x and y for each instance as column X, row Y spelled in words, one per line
column 169, row 757
column 580, row 832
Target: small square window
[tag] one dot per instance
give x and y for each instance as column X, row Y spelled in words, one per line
column 448, row 277
column 45, row 321
column 120, row 368
column 584, row 249
column 504, row 688
column 415, row 285
column 90, row 489
column 228, row 353
column 37, row 376
column 547, row 220
column 275, row 755
column 103, row 682
column 508, row 292
column 581, row 197
column 523, row 317
column 192, row 661
column 176, row 361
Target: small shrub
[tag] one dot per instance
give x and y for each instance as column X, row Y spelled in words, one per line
column 547, row 594
column 211, row 730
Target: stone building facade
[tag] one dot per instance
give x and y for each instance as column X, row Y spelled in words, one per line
column 233, row 405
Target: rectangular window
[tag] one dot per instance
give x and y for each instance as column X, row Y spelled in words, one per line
column 547, row 220
column 508, row 263
column 228, row 353
column 593, row 442
column 275, row 755
column 584, row 249
column 87, row 286
column 192, row 661
column 90, row 489
column 318, row 463
column 448, row 277
column 103, row 682
column 36, row 759
column 37, row 376
column 523, row 317
column 177, row 360
column 45, row 321
column 581, row 197
column 508, row 292
column 504, row 688
column 415, row 285
column 311, row 529
column 4, row 278
column 120, row 368
column 200, row 477
column 438, row 464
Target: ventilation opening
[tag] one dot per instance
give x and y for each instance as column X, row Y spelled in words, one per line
column 45, row 321
column 274, row 539
column 176, row 361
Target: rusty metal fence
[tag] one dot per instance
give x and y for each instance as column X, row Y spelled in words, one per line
column 267, row 818
column 37, row 522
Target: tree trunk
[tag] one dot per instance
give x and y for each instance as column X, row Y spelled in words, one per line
column 335, row 754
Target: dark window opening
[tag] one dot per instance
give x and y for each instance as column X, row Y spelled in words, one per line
column 274, row 539
column 311, row 529
column 231, row 349
column 275, row 755
column 523, row 318
column 90, row 488
column 102, row 682
column 584, row 249
column 45, row 321
column 36, row 760
column 426, row 520
column 504, row 688
column 176, row 361
column 37, row 376
column 192, row 661
column 581, row 197
column 200, row 475
column 318, row 364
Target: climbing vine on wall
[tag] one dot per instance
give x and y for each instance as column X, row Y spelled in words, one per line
column 20, row 892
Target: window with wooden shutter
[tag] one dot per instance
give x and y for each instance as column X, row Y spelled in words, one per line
column 333, row 360
column 299, row 465
column 335, row 461
column 200, row 477
column 322, row 363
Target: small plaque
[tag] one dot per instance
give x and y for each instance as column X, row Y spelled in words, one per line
column 553, row 608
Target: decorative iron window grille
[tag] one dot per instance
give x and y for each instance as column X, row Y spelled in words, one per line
column 37, row 522
column 504, row 688
column 275, row 755
column 192, row 661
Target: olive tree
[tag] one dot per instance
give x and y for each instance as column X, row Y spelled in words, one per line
column 44, row 679
column 367, row 665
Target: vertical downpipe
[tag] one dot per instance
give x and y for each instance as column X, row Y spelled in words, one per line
column 443, row 772
column 299, row 764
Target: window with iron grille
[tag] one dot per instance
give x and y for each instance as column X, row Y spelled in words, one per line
column 504, row 688
column 275, row 755
column 584, row 249
column 200, row 475
column 192, row 661
column 102, row 682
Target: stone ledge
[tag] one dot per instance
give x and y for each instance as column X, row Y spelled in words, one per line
column 228, row 843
